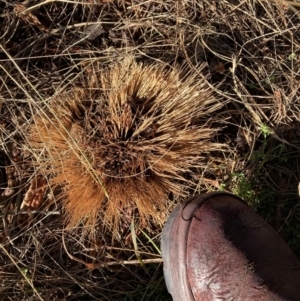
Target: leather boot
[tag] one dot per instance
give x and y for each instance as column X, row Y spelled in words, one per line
column 215, row 247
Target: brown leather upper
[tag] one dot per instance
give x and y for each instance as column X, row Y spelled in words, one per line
column 233, row 254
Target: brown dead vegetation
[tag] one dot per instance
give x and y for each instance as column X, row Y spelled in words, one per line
column 125, row 141
column 58, row 60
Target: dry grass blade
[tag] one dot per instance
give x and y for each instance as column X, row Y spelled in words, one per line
column 22, row 273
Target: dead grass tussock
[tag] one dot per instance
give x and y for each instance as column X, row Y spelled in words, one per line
column 125, row 141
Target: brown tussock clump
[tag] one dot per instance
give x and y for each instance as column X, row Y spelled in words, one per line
column 126, row 140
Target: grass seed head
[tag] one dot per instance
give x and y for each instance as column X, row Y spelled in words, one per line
column 125, row 141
